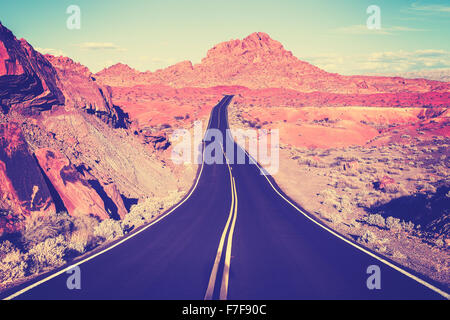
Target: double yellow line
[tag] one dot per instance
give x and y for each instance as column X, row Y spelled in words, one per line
column 229, row 229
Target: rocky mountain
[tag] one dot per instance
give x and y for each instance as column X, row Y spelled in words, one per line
column 64, row 145
column 258, row 62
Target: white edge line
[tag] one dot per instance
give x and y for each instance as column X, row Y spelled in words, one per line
column 404, row 272
column 54, row 275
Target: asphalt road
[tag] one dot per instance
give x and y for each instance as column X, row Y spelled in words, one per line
column 236, row 236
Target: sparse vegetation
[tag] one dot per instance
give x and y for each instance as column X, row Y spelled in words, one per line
column 387, row 196
column 51, row 240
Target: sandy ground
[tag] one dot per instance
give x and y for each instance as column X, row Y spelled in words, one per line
column 353, row 186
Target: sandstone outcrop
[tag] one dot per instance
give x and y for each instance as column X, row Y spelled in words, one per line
column 23, row 189
column 28, row 82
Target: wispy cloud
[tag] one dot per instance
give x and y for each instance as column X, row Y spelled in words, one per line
column 430, row 8
column 100, row 46
column 381, row 62
column 53, row 52
column 363, row 30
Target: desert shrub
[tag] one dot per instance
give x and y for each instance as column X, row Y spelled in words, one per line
column 330, row 198
column 311, row 162
column 439, row 242
column 5, row 248
column 49, row 253
column 39, row 227
column 441, row 171
column 396, row 189
column 147, row 210
column 368, row 237
column 13, row 265
column 134, row 219
column 375, row 220
column 393, row 223
column 398, row 255
column 109, row 230
column 83, row 237
column 347, row 183
column 407, row 226
column 79, row 242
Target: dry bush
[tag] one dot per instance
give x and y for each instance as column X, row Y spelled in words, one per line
column 134, row 219
column 39, row 227
column 369, row 199
column 407, row 226
column 330, row 198
column 83, row 237
column 141, row 213
column 346, row 182
column 13, row 264
column 148, row 210
column 396, row 189
column 341, row 203
column 393, row 223
column 5, row 248
column 441, row 171
column 375, row 220
column 311, row 162
column 368, row 237
column 109, row 230
column 49, row 253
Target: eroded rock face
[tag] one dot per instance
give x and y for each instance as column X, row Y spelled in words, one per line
column 28, row 82
column 23, row 189
column 78, row 196
column 68, row 159
column 82, row 91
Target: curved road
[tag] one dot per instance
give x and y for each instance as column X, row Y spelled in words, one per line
column 235, row 236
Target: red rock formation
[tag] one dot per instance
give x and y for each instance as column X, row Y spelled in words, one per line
column 116, row 199
column 384, row 182
column 78, row 196
column 82, row 91
column 260, row 62
column 28, row 81
column 64, row 140
column 122, row 75
column 22, row 187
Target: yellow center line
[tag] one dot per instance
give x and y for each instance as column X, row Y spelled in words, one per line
column 231, row 216
column 226, row 270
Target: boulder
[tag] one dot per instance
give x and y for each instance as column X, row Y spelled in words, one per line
column 76, row 193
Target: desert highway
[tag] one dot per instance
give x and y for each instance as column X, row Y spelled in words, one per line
column 235, row 236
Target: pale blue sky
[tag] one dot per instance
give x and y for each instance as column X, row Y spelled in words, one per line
column 152, row 34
